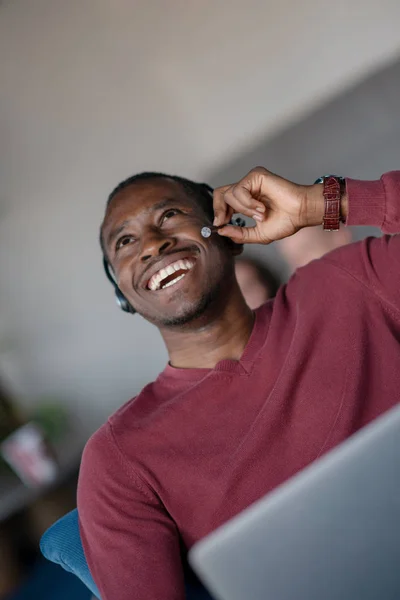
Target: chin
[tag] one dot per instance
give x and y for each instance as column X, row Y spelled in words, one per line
column 186, row 312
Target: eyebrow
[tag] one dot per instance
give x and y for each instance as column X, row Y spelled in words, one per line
column 115, row 232
column 154, row 208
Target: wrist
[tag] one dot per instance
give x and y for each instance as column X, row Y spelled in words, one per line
column 315, row 205
column 344, row 203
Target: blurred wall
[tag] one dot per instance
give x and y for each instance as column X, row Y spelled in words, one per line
column 356, row 134
column 93, row 91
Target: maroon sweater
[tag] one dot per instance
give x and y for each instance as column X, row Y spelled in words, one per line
column 199, row 445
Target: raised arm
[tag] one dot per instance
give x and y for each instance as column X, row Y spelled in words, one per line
column 130, row 542
column 374, row 262
column 280, row 207
column 288, row 207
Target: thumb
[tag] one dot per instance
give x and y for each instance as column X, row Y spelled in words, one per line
column 241, row 235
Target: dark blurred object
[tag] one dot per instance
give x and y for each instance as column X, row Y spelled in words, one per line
column 10, row 568
column 9, row 419
column 257, row 282
column 48, row 581
column 26, row 511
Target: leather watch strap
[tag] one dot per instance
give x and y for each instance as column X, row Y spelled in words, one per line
column 332, row 196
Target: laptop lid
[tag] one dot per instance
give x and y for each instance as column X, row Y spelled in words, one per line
column 332, row 532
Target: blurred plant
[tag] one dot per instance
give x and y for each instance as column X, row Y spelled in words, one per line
column 52, row 418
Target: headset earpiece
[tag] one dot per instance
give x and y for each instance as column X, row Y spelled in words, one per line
column 123, row 302
column 119, row 297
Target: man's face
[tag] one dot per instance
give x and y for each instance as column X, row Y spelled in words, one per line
column 167, row 271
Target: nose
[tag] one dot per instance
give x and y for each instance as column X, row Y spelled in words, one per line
column 155, row 244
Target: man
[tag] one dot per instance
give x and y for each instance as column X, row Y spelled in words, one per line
column 247, row 399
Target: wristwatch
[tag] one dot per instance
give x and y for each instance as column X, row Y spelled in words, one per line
column 334, row 188
column 321, row 179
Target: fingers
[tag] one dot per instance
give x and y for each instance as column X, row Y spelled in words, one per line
column 276, row 204
column 222, row 211
column 240, row 199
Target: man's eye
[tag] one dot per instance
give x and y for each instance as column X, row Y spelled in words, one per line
column 124, row 241
column 170, row 213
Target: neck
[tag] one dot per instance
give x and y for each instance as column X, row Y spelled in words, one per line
column 220, row 334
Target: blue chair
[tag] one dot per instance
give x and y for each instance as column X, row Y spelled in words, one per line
column 62, row 544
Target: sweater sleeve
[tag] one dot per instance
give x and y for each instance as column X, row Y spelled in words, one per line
column 375, row 203
column 375, row 262
column 130, row 542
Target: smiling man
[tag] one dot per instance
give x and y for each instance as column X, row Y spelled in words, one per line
column 248, row 398
column 151, row 236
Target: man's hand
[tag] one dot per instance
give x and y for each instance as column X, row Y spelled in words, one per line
column 279, row 207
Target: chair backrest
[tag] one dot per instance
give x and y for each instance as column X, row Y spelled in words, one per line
column 62, row 544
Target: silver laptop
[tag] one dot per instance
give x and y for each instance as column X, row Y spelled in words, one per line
column 332, row 532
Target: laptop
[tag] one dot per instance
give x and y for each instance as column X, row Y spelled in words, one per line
column 332, row 532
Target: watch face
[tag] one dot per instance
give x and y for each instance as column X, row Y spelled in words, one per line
column 321, row 179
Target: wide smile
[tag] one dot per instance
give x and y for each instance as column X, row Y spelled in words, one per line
column 171, row 274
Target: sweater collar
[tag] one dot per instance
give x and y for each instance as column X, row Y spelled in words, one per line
column 244, row 365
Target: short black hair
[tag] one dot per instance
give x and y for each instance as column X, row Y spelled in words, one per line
column 201, row 192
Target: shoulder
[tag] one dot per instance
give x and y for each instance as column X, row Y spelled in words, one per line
column 322, row 282
column 341, row 279
column 335, row 264
column 112, row 443
column 101, row 455
column 106, row 471
column 349, row 264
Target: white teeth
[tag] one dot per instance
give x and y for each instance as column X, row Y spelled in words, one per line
column 180, row 265
column 162, row 274
column 174, row 280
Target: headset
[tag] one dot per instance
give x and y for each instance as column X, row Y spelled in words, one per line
column 120, row 299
